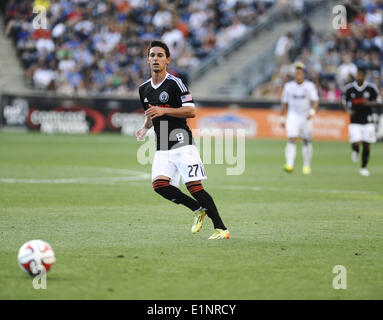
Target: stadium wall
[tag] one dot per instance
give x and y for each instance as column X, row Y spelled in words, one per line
column 76, row 115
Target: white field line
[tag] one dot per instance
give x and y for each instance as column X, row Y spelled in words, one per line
column 124, row 171
column 126, row 175
column 134, row 175
column 256, row 188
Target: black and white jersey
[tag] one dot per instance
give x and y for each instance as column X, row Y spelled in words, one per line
column 354, row 98
column 171, row 132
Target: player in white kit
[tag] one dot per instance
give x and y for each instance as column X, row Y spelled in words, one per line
column 300, row 102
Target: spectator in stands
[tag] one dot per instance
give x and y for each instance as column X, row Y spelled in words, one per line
column 234, row 31
column 284, row 44
column 297, row 6
column 175, row 40
column 331, row 93
column 307, row 33
column 374, row 18
column 67, row 63
column 162, row 18
column 346, row 72
column 43, row 76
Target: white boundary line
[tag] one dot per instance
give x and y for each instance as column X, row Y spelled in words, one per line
column 134, row 175
column 127, row 175
column 256, row 188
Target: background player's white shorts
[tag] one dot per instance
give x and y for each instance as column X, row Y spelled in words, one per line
column 299, row 126
column 183, row 162
column 362, row 132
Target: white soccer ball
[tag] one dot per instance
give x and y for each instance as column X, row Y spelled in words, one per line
column 34, row 256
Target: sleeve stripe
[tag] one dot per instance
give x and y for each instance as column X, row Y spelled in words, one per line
column 179, row 83
column 350, row 85
column 188, row 104
column 373, row 86
column 145, row 82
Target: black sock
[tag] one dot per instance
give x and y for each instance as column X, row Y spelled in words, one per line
column 206, row 201
column 355, row 147
column 365, row 154
column 163, row 187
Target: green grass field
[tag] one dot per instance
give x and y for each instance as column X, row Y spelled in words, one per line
column 114, row 238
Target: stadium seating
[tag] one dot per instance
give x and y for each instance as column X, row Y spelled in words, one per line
column 98, row 47
column 332, row 59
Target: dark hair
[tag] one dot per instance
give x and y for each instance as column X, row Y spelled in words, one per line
column 362, row 69
column 161, row 44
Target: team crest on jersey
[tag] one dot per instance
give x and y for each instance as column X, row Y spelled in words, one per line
column 366, row 94
column 352, row 95
column 164, row 96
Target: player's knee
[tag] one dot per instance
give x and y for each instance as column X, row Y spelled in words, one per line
column 159, row 185
column 366, row 146
column 306, row 142
column 194, row 188
column 167, row 191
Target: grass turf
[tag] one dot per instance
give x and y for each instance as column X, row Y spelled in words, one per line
column 114, row 238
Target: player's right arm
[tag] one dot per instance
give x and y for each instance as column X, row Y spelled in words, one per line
column 148, row 123
column 346, row 101
column 141, row 133
column 283, row 114
column 283, row 107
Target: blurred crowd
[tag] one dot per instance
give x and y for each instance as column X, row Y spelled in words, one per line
column 99, row 47
column 332, row 59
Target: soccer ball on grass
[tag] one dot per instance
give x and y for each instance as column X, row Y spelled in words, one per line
column 35, row 255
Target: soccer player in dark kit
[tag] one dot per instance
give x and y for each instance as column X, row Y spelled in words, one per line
column 359, row 99
column 168, row 103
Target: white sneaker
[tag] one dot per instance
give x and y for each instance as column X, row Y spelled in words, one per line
column 364, row 172
column 355, row 156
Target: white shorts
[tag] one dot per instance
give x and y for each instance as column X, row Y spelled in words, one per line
column 362, row 132
column 299, row 126
column 183, row 162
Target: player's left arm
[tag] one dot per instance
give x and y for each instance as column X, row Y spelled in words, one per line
column 375, row 99
column 314, row 102
column 369, row 103
column 181, row 112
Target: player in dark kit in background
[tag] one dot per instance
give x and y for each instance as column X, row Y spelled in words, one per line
column 168, row 103
column 359, row 99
